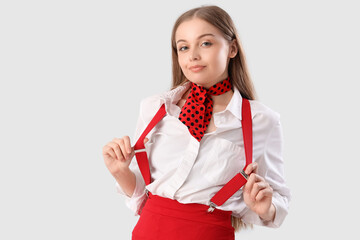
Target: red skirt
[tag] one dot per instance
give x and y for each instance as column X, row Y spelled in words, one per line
column 163, row 218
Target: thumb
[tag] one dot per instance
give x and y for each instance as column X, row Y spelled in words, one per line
column 146, row 140
column 251, row 168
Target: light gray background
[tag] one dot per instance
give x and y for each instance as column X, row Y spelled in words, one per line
column 73, row 74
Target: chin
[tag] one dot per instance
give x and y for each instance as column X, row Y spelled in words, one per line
column 198, row 80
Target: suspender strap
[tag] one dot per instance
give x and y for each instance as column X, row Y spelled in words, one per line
column 246, row 122
column 241, row 178
column 233, row 185
column 139, row 146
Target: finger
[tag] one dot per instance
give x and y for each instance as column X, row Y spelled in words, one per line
column 123, row 148
column 128, row 145
column 253, row 178
column 257, row 187
column 251, row 168
column 258, row 178
column 146, row 140
column 266, row 192
column 107, row 150
column 249, row 184
column 115, row 144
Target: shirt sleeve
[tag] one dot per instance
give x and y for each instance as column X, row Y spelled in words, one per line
column 271, row 167
column 138, row 199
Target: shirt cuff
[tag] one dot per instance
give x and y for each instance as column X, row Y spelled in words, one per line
column 281, row 209
column 137, row 200
column 251, row 217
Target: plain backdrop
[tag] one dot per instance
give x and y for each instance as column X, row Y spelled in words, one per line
column 74, row 72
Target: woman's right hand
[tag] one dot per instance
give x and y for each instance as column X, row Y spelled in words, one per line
column 118, row 154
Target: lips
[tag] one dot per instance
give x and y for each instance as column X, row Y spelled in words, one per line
column 196, row 68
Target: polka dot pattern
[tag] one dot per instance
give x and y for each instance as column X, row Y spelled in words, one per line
column 197, row 110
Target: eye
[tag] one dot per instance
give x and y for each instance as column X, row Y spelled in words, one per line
column 183, row 48
column 206, row 44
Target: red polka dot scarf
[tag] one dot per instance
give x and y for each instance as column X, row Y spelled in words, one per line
column 197, row 110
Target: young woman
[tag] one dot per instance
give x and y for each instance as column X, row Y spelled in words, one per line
column 210, row 161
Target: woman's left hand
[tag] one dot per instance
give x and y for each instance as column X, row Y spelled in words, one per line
column 258, row 194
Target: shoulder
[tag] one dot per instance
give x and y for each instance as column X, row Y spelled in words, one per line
column 263, row 115
column 150, row 100
column 149, row 106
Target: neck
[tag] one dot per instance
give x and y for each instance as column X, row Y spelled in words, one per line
column 222, row 99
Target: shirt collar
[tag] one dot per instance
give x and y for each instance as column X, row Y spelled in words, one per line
column 234, row 106
column 172, row 97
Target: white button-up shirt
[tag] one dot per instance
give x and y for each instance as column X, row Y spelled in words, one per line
column 190, row 171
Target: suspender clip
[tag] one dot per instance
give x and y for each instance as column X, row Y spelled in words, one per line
column 140, row 150
column 244, row 174
column 212, row 207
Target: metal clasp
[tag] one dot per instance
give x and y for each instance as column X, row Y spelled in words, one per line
column 140, row 150
column 244, row 174
column 212, row 207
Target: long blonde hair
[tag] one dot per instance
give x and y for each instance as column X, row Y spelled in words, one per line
column 237, row 69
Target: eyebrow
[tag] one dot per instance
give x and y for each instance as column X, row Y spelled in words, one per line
column 201, row 36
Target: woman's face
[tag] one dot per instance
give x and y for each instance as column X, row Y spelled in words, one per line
column 203, row 52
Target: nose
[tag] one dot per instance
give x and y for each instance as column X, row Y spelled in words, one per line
column 194, row 55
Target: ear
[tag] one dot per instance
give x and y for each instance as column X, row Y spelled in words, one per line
column 233, row 49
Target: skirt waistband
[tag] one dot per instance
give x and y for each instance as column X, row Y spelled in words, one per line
column 190, row 211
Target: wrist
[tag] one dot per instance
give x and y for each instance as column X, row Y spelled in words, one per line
column 269, row 216
column 121, row 173
column 127, row 181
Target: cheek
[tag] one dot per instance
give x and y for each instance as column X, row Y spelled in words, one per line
column 221, row 58
column 182, row 62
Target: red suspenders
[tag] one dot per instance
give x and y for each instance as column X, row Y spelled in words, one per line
column 139, row 147
column 239, row 179
column 233, row 185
